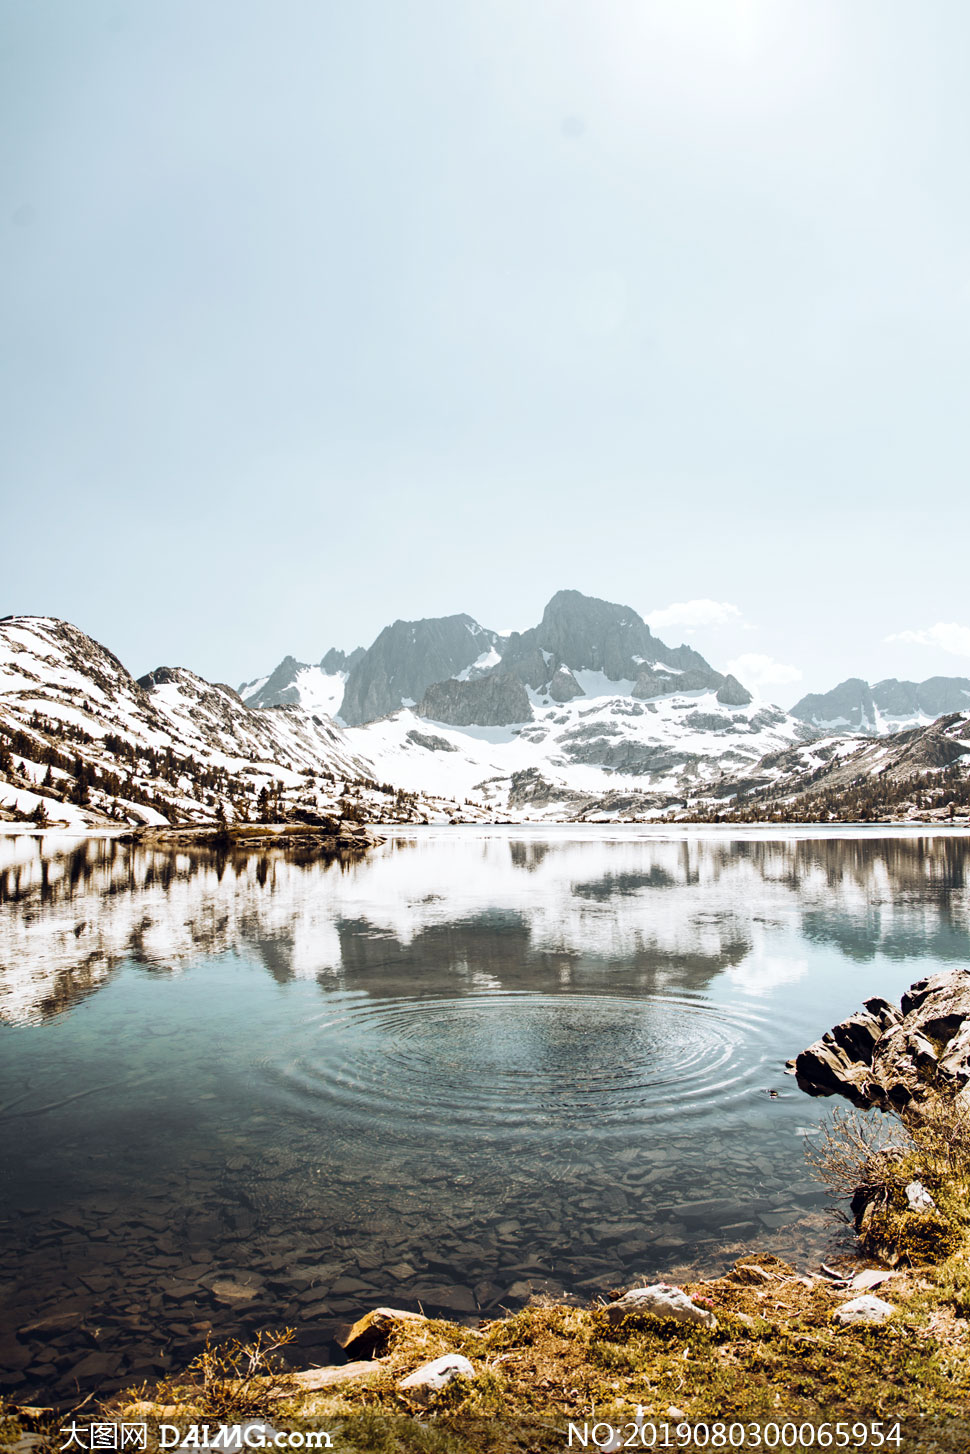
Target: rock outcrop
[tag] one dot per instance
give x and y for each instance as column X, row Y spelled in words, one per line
column 732, row 694
column 491, row 701
column 891, row 1058
column 407, row 658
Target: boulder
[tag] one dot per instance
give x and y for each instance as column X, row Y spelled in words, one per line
column 564, row 686
column 371, row 1333
column 865, row 1309
column 892, row 1058
column 432, row 1377
column 661, row 1300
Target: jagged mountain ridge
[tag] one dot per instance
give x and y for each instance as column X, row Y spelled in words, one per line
column 545, row 721
column 576, row 633
column 888, row 706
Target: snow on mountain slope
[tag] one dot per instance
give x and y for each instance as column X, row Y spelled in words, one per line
column 571, row 754
column 915, row 774
column 169, row 747
column 318, row 688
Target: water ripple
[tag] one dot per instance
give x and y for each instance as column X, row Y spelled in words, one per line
column 503, row 1061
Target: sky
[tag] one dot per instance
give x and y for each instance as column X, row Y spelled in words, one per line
column 318, row 315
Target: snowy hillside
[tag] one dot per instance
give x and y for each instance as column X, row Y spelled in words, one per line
column 919, row 775
column 83, row 743
column 571, row 757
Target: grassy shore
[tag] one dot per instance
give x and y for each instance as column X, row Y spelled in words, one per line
column 779, row 1354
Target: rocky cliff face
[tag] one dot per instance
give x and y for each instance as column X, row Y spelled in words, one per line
column 409, row 657
column 849, row 705
column 496, row 700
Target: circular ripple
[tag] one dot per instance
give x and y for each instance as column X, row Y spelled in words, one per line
column 509, row 1061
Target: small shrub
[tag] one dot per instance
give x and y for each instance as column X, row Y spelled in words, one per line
column 230, row 1380
column 871, row 1162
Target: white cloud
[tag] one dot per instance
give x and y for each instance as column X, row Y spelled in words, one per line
column 693, row 615
column 755, row 670
column 947, row 635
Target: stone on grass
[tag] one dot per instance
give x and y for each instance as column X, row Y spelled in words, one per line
column 315, row 1380
column 871, row 1277
column 432, row 1377
column 866, row 1309
column 371, row 1333
column 919, row 1198
column 662, row 1301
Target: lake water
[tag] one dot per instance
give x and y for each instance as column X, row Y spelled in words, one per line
column 477, row 1065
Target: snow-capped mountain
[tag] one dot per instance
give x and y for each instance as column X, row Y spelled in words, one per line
column 889, row 706
column 587, row 713
column 588, row 710
column 576, row 633
column 82, row 742
column 318, row 688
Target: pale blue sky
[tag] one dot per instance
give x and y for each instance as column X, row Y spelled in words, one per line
column 318, row 314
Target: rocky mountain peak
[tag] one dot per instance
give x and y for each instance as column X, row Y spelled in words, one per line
column 407, row 658
column 583, row 633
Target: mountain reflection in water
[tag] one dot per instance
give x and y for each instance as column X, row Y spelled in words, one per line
column 252, row 1090
column 486, row 912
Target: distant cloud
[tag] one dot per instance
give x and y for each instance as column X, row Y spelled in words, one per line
column 695, row 615
column 755, row 670
column 947, row 635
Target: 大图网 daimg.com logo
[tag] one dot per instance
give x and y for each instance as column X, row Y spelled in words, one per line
column 225, row 1437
